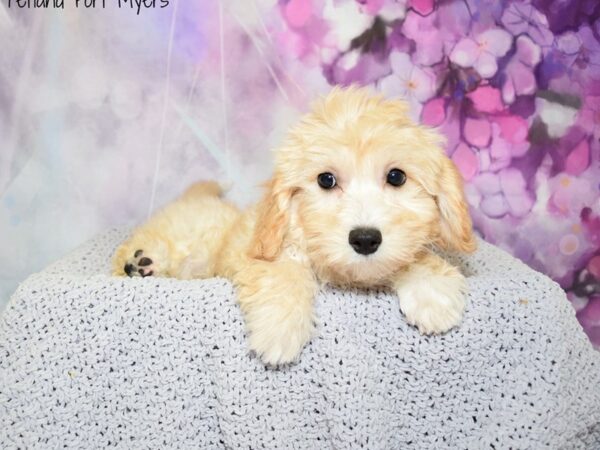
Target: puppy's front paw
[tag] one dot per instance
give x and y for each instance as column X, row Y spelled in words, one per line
column 278, row 332
column 433, row 305
column 276, row 299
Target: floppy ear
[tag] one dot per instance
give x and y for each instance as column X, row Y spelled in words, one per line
column 272, row 222
column 445, row 183
column 456, row 230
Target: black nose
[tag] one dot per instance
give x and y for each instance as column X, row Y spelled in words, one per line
column 365, row 240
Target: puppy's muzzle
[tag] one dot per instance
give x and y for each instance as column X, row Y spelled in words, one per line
column 365, row 240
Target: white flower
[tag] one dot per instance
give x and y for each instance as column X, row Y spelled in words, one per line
column 482, row 51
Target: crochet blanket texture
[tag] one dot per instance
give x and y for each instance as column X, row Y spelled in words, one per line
column 90, row 361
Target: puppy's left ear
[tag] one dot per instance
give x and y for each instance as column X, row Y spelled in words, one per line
column 445, row 183
column 456, row 229
column 272, row 222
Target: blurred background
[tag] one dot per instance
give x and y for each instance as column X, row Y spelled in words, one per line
column 106, row 113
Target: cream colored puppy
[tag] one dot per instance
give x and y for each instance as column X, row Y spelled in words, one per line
column 359, row 194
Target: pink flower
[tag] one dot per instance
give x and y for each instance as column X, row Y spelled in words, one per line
column 409, row 81
column 514, row 130
column 387, row 10
column 423, row 7
column 486, row 99
column 434, row 112
column 305, row 34
column 466, row 160
column 481, row 52
column 371, row 7
column 477, row 131
column 520, row 79
column 579, row 158
column 441, row 113
column 499, row 139
column 504, row 146
column 298, row 12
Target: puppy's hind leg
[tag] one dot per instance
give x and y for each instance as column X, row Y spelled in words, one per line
column 180, row 240
column 202, row 189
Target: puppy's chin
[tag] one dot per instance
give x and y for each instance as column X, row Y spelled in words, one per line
column 359, row 272
column 338, row 264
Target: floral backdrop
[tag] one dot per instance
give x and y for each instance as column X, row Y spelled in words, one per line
column 203, row 89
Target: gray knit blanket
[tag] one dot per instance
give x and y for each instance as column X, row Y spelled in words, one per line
column 92, row 361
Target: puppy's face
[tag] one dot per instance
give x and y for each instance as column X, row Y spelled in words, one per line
column 361, row 208
column 365, row 189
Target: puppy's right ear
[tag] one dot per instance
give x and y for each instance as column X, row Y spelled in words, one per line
column 272, row 222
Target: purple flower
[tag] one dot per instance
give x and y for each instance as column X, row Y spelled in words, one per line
column 588, row 55
column 428, row 38
column 351, row 67
column 577, row 57
column 504, row 193
column 457, row 21
column 589, row 115
column 522, row 17
column 520, row 79
column 568, row 14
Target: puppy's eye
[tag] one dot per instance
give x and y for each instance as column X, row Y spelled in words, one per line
column 396, row 177
column 326, row 180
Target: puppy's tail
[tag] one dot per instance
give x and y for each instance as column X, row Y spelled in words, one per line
column 204, row 189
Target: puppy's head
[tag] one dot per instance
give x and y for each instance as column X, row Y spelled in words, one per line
column 361, row 189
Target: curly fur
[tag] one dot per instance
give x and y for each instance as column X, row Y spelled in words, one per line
column 277, row 252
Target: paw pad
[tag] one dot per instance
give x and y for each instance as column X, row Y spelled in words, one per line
column 139, row 265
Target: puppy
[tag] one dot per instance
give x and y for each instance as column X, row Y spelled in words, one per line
column 359, row 195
